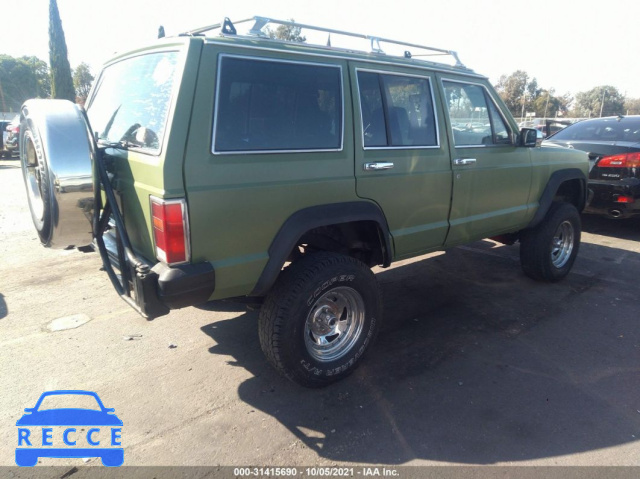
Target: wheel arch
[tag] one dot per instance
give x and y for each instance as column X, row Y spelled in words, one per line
column 357, row 216
column 570, row 185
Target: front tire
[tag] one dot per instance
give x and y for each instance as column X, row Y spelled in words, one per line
column 320, row 318
column 548, row 251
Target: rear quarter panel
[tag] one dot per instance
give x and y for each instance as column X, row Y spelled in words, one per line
column 238, row 202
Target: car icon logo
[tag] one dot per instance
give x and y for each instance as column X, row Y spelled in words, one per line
column 102, row 426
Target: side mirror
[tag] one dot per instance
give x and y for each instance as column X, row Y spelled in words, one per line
column 529, row 138
column 29, row 409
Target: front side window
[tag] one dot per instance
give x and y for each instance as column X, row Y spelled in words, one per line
column 132, row 100
column 397, row 111
column 475, row 119
column 267, row 105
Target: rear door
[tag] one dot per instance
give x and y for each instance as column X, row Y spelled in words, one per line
column 491, row 174
column 402, row 159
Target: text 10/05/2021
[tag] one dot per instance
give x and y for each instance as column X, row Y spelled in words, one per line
column 316, row 471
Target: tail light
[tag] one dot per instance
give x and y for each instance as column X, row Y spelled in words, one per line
column 625, row 160
column 170, row 230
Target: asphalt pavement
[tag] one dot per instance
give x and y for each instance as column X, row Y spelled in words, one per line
column 476, row 364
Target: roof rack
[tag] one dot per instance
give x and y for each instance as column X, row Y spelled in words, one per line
column 228, row 28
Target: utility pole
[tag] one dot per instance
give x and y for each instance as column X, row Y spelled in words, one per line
column 602, row 102
column 547, row 105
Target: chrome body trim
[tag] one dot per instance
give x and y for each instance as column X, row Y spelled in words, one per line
column 433, row 106
column 464, row 161
column 222, row 56
column 378, row 166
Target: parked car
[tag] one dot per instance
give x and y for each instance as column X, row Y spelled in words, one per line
column 11, row 144
column 4, row 134
column 613, row 146
column 239, row 166
column 549, row 127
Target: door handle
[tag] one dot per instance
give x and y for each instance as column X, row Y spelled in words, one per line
column 464, row 161
column 378, row 166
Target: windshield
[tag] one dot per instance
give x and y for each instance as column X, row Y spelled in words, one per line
column 69, row 401
column 610, row 129
column 132, row 100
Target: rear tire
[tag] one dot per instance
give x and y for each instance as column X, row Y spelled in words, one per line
column 548, row 251
column 320, row 318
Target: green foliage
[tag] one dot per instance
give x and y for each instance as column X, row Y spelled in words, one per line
column 511, row 89
column 548, row 105
column 20, row 79
column 522, row 95
column 287, row 33
column 61, row 82
column 82, row 81
column 590, row 103
column 632, row 106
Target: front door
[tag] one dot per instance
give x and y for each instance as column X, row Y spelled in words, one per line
column 491, row 174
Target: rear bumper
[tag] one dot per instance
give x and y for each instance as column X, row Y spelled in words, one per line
column 184, row 285
column 604, row 197
column 158, row 288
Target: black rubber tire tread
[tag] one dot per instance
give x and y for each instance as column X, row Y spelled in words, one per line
column 535, row 244
column 280, row 313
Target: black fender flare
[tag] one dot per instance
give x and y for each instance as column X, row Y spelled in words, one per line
column 314, row 217
column 556, row 179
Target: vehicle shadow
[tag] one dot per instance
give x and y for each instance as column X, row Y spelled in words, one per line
column 628, row 228
column 475, row 364
column 4, row 310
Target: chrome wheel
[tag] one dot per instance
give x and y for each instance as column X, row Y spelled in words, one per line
column 562, row 244
column 334, row 324
column 34, row 177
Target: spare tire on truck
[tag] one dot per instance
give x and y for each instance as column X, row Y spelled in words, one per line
column 56, row 154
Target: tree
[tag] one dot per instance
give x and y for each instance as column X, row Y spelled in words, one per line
column 518, row 93
column 21, row 79
column 82, row 81
column 632, row 106
column 603, row 100
column 548, row 105
column 287, row 32
column 61, row 82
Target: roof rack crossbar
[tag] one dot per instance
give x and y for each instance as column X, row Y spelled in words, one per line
column 261, row 22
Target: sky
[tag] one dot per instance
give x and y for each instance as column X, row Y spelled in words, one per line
column 568, row 45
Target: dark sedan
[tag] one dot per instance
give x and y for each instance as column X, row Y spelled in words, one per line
column 613, row 145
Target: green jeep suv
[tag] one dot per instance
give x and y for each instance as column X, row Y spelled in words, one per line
column 237, row 166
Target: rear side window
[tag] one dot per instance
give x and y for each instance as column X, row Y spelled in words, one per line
column 475, row 119
column 626, row 129
column 397, row 111
column 268, row 105
column 132, row 100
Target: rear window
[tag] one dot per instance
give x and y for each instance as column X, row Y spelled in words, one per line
column 611, row 129
column 269, row 105
column 132, row 100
